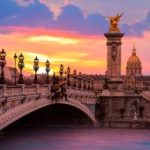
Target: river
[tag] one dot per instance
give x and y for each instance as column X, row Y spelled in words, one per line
column 72, row 138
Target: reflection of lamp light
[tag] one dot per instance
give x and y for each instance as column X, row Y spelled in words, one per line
column 47, row 69
column 36, row 68
column 2, row 64
column 21, row 66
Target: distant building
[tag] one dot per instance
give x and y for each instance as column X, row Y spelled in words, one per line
column 134, row 70
column 9, row 73
column 134, row 65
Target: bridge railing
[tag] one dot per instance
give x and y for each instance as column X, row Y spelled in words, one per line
column 12, row 96
column 1, row 91
column 146, row 95
column 81, row 95
column 28, row 90
column 10, row 91
column 44, row 90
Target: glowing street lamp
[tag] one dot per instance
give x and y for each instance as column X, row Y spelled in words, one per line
column 21, row 66
column 61, row 71
column 74, row 76
column 15, row 58
column 2, row 64
column 36, row 68
column 47, row 69
column 68, row 76
column 80, row 74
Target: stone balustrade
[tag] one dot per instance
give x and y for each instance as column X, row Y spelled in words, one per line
column 12, row 91
column 12, row 96
column 146, row 95
column 1, row 91
column 30, row 90
column 17, row 101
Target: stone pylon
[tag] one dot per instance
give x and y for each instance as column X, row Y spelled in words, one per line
column 114, row 54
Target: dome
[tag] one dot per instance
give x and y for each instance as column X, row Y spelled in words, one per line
column 134, row 59
column 134, row 64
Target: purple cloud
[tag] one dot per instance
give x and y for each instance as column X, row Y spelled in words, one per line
column 37, row 14
column 138, row 28
column 24, row 3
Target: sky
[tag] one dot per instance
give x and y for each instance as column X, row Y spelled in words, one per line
column 71, row 32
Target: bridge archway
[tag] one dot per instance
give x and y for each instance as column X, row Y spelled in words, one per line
column 29, row 107
column 54, row 115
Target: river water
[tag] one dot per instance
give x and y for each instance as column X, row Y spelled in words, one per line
column 75, row 139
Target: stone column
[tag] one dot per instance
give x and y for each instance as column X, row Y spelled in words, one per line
column 114, row 54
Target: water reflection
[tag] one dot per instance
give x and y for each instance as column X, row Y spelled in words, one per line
column 75, row 139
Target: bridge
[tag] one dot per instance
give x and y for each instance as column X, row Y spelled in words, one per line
column 101, row 100
column 19, row 101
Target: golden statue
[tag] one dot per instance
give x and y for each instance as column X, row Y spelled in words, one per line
column 114, row 22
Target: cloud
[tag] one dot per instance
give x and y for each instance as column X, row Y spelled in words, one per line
column 33, row 15
column 39, row 13
column 72, row 19
column 55, row 6
column 138, row 28
column 59, row 40
column 24, row 3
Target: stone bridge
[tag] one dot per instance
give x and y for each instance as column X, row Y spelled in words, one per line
column 18, row 101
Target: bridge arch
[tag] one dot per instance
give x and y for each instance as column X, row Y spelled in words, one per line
column 22, row 110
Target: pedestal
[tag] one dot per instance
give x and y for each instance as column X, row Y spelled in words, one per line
column 114, row 54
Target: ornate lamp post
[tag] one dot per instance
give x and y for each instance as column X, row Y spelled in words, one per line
column 74, row 76
column 65, row 76
column 36, row 68
column 61, row 71
column 47, row 69
column 2, row 64
column 15, row 58
column 92, row 85
column 21, row 66
column 88, row 84
column 68, row 76
column 80, row 79
column 84, row 83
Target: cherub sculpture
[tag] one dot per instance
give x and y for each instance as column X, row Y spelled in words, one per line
column 58, row 89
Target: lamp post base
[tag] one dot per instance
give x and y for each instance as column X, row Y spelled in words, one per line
column 21, row 81
column 2, row 80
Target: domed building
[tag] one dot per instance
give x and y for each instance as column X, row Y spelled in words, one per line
column 134, row 66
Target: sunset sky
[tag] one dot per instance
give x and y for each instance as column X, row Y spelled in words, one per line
column 71, row 32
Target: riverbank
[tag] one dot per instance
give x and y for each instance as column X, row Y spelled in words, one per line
column 126, row 123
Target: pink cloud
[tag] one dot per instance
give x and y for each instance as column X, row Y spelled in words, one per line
column 55, row 6
column 89, row 55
